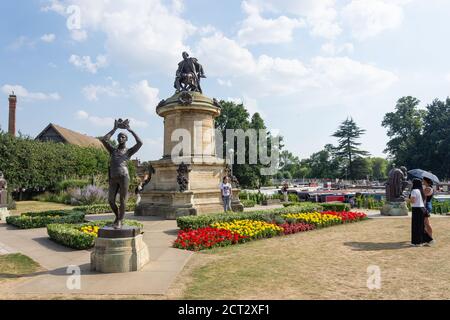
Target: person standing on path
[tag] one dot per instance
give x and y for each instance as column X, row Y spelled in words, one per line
column 225, row 188
column 418, row 235
column 428, row 191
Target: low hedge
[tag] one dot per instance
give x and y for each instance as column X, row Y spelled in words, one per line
column 195, row 222
column 31, row 220
column 69, row 235
column 102, row 208
column 248, row 203
column 335, row 206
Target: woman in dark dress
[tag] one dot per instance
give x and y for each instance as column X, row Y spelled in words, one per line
column 417, row 196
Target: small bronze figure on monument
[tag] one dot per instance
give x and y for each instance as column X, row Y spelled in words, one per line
column 119, row 177
column 188, row 75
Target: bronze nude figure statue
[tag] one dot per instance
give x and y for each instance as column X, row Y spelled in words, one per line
column 396, row 184
column 119, row 177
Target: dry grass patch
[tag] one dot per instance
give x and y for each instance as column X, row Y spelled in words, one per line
column 329, row 263
column 16, row 265
column 36, row 206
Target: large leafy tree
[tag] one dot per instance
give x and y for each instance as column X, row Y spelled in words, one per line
column 435, row 142
column 235, row 116
column 404, row 129
column 348, row 149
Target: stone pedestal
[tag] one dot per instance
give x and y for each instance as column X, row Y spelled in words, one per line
column 191, row 114
column 4, row 213
column 118, row 251
column 394, row 209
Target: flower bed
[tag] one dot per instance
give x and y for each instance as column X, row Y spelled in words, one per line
column 206, row 238
column 319, row 220
column 252, row 229
column 196, row 222
column 347, row 216
column 33, row 220
column 80, row 236
column 228, row 229
column 291, row 228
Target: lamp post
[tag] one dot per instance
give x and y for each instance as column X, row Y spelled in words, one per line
column 231, row 151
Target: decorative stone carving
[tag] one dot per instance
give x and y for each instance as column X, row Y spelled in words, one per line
column 182, row 177
column 185, row 98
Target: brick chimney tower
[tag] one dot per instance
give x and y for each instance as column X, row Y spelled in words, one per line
column 12, row 114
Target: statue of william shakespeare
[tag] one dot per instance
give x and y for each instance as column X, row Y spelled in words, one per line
column 119, row 177
column 188, row 75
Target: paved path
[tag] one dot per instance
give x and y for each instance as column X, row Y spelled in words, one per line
column 155, row 278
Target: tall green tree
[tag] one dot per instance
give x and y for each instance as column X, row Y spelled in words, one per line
column 379, row 168
column 435, row 142
column 235, row 116
column 404, row 129
column 348, row 148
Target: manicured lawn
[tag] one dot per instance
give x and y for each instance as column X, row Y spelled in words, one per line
column 35, row 206
column 328, row 263
column 16, row 265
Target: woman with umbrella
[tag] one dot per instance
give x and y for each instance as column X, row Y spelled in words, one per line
column 428, row 191
column 418, row 235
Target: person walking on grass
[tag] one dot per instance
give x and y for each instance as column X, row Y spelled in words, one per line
column 428, row 191
column 418, row 235
column 225, row 188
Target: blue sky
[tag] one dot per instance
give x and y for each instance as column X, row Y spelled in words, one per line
column 305, row 65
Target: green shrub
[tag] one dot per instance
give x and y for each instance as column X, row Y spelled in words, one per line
column 441, row 207
column 59, row 197
column 69, row 235
column 102, row 208
column 195, row 222
column 335, row 206
column 248, row 203
column 71, row 184
column 32, row 220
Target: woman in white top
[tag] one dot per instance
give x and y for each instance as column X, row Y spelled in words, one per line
column 418, row 234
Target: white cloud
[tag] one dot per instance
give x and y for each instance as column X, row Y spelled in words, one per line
column 92, row 92
column 368, row 18
column 255, row 29
column 140, row 34
column 78, row 35
column 321, row 16
column 273, row 76
column 330, row 49
column 23, row 93
column 224, row 57
column 85, row 63
column 21, row 42
column 50, row 37
column 54, row 5
column 224, row 83
column 145, row 95
column 107, row 121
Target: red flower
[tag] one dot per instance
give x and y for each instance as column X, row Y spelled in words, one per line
column 204, row 238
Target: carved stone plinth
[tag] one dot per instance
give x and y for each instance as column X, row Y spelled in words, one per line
column 394, row 209
column 117, row 253
column 175, row 191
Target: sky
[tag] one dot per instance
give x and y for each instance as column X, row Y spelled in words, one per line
column 304, row 65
